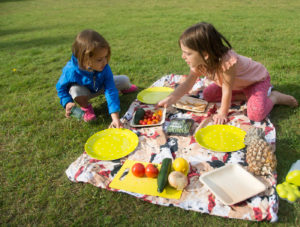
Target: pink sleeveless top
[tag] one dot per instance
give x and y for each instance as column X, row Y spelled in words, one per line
column 247, row 71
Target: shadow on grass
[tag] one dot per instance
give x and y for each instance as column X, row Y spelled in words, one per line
column 39, row 42
column 290, row 89
column 125, row 102
column 25, row 30
column 3, row 1
column 287, row 213
column 281, row 112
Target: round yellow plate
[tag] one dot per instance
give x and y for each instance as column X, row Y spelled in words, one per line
column 111, row 144
column 221, row 138
column 153, row 95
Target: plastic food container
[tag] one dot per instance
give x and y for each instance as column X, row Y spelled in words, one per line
column 162, row 120
column 180, row 127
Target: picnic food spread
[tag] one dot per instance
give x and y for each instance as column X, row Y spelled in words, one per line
column 225, row 138
column 166, row 167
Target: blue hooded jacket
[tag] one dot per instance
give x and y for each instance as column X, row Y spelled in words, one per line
column 94, row 81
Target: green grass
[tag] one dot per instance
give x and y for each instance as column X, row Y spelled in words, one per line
column 38, row 143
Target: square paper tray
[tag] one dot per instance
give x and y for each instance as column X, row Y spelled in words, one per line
column 163, row 117
column 232, row 184
column 190, row 104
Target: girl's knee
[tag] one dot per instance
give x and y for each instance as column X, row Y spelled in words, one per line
column 256, row 115
column 212, row 94
column 122, row 82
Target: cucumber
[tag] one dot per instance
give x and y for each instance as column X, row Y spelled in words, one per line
column 162, row 178
column 139, row 114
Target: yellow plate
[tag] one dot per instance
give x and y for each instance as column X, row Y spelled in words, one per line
column 153, row 95
column 221, row 138
column 111, row 144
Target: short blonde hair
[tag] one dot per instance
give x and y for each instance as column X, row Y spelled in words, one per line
column 86, row 43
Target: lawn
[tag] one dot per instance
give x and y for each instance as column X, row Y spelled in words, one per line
column 38, row 143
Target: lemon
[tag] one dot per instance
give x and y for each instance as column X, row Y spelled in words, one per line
column 181, row 165
column 291, row 197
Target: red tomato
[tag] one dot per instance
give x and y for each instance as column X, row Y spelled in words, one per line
column 138, row 170
column 151, row 171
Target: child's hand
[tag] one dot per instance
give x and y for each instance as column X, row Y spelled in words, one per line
column 220, row 119
column 68, row 108
column 166, row 102
column 116, row 123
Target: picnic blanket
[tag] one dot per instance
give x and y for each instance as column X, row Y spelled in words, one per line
column 155, row 145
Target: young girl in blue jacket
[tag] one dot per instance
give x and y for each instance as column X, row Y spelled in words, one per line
column 88, row 74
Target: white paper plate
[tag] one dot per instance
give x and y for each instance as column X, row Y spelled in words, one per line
column 232, row 184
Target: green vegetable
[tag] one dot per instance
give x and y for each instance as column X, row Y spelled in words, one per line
column 139, row 114
column 162, row 178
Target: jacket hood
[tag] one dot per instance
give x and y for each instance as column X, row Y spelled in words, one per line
column 77, row 69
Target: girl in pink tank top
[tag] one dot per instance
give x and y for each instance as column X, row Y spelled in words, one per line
column 235, row 77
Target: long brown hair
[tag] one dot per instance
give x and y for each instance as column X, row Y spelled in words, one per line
column 203, row 37
column 85, row 45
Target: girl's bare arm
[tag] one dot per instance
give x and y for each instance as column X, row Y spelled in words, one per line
column 181, row 90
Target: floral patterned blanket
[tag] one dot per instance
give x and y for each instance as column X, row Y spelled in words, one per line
column 155, row 145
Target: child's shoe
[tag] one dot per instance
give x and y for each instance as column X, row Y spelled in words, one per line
column 89, row 113
column 133, row 88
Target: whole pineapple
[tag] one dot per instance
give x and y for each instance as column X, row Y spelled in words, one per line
column 260, row 156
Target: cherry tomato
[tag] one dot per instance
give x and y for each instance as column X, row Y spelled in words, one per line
column 141, row 122
column 151, row 171
column 138, row 170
